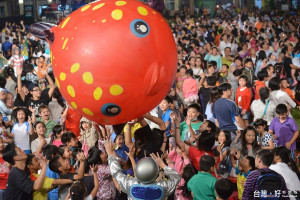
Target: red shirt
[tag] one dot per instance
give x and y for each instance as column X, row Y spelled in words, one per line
column 245, row 100
column 195, row 155
column 4, row 171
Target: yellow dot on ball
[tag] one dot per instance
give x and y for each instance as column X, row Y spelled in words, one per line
column 116, row 90
column 57, row 82
column 62, row 76
column 121, row 3
column 85, row 8
column 65, row 43
column 74, row 105
column 117, row 14
column 88, row 77
column 71, row 91
column 65, row 22
column 97, row 93
column 75, row 67
column 154, row 12
column 87, row 111
column 98, row 6
column 104, row 20
column 142, row 10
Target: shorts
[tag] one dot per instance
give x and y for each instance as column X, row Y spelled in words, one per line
column 246, row 116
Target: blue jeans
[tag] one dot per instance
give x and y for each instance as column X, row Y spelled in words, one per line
column 291, row 81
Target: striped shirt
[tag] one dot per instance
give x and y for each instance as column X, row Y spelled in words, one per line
column 251, row 187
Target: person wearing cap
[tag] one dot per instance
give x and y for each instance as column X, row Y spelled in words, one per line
column 17, row 60
column 36, row 97
column 88, row 133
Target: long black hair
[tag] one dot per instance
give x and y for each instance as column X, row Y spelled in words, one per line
column 188, row 172
column 284, row 154
column 255, row 145
column 57, row 95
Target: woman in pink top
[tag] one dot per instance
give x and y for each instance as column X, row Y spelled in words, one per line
column 190, row 88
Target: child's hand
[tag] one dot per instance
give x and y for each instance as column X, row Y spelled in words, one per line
column 94, row 168
column 109, row 147
column 167, row 123
column 166, row 155
column 32, row 109
column 232, row 152
column 158, row 160
column 188, row 121
column 238, row 155
column 172, row 116
column 80, row 156
column 131, row 152
column 42, row 161
column 29, row 120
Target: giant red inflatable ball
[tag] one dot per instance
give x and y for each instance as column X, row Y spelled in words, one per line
column 114, row 61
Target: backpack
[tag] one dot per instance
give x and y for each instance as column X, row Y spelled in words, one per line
column 268, row 183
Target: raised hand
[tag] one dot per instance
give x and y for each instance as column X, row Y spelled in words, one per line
column 94, row 168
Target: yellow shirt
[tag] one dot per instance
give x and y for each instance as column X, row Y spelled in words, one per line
column 42, row 194
column 133, row 129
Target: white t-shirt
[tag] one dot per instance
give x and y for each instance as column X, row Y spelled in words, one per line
column 289, row 176
column 21, row 135
column 87, row 197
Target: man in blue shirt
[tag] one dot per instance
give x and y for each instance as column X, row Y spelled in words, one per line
column 226, row 112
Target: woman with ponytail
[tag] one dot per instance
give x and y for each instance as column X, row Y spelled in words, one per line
column 287, row 168
column 263, row 108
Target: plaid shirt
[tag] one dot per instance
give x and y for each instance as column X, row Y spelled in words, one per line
column 31, row 77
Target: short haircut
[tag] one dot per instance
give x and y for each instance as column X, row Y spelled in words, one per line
column 262, row 74
column 266, row 156
column 9, row 153
column 274, row 84
column 38, row 122
column 42, row 107
column 237, row 72
column 224, row 87
column 195, row 106
column 238, row 58
column 54, row 164
column 213, row 63
column 283, row 79
column 66, row 137
column 248, row 60
column 49, row 151
column 211, row 80
column 243, row 77
column 251, row 162
column 224, row 188
column 281, row 109
column 168, row 99
column 206, row 162
column 226, row 66
column 29, row 159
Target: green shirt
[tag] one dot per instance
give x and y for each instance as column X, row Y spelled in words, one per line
column 202, row 185
column 49, row 126
column 184, row 130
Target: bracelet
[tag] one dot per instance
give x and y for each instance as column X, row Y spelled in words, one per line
column 177, row 127
column 165, row 141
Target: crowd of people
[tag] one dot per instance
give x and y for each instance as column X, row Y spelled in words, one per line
column 226, row 130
